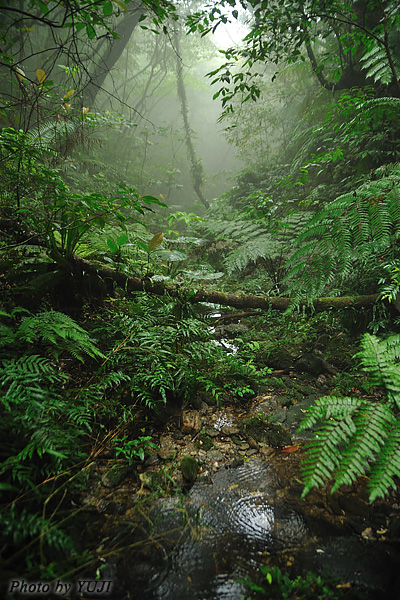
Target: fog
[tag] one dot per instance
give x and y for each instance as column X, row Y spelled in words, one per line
column 150, row 147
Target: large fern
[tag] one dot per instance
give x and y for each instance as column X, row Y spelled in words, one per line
column 357, row 436
column 42, row 423
column 376, row 63
column 355, row 226
column 60, row 331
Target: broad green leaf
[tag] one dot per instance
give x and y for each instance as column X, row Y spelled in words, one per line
column 122, row 239
column 143, row 246
column 107, row 9
column 112, row 245
column 43, row 7
column 90, row 32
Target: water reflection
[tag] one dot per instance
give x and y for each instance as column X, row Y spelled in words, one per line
column 225, row 528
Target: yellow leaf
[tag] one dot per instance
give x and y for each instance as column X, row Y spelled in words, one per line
column 67, row 106
column 120, row 4
column 85, row 110
column 381, row 531
column 233, row 486
column 20, row 73
column 41, row 75
column 68, row 94
column 156, row 241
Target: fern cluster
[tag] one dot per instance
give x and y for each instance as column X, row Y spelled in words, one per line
column 356, row 436
column 44, row 422
column 351, row 228
column 375, row 62
column 53, row 328
column 160, row 356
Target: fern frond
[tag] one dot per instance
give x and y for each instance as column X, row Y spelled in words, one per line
column 376, row 63
column 356, row 437
column 387, row 465
column 59, row 330
column 250, row 251
column 347, row 229
column 371, row 426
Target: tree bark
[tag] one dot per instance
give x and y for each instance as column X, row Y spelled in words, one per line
column 137, row 284
column 196, row 167
column 112, row 53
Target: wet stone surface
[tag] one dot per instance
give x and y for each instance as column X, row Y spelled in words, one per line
column 225, row 528
column 179, row 538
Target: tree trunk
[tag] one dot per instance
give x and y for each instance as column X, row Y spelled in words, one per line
column 196, row 167
column 137, row 284
column 112, row 53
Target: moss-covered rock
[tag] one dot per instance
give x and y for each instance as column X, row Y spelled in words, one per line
column 189, row 468
column 273, row 434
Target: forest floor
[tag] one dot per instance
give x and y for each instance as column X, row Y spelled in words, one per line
column 346, row 536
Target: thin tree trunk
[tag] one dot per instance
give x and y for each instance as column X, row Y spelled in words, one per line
column 196, row 167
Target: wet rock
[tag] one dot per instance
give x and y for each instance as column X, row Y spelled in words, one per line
column 211, row 431
column 199, row 403
column 191, row 421
column 167, row 453
column 229, row 430
column 215, row 455
column 280, row 358
column 242, row 444
column 261, row 431
column 394, row 528
column 115, row 475
column 152, row 461
column 189, row 468
column 315, row 365
column 297, row 412
column 353, row 505
column 251, row 452
column 253, row 444
column 204, row 442
column 322, row 380
column 278, row 416
column 267, row 450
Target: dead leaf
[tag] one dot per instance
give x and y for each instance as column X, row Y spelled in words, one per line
column 288, row 449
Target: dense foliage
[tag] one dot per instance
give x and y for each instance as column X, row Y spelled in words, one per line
column 94, row 193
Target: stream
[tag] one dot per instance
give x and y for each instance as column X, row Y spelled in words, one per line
column 202, row 540
column 225, row 530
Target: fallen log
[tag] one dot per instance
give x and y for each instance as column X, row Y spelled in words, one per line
column 142, row 284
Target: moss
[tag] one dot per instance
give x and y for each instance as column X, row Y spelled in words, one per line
column 265, row 432
column 189, row 468
column 204, row 442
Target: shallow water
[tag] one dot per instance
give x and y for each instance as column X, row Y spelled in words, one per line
column 220, row 535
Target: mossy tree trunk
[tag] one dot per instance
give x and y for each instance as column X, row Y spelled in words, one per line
column 110, row 278
column 196, row 167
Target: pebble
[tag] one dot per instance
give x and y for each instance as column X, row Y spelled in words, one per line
column 230, row 430
column 215, row 455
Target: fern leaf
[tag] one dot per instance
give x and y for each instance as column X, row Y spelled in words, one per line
column 372, row 424
column 387, row 465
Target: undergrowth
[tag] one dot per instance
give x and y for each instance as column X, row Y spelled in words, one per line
column 68, row 390
column 359, row 436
